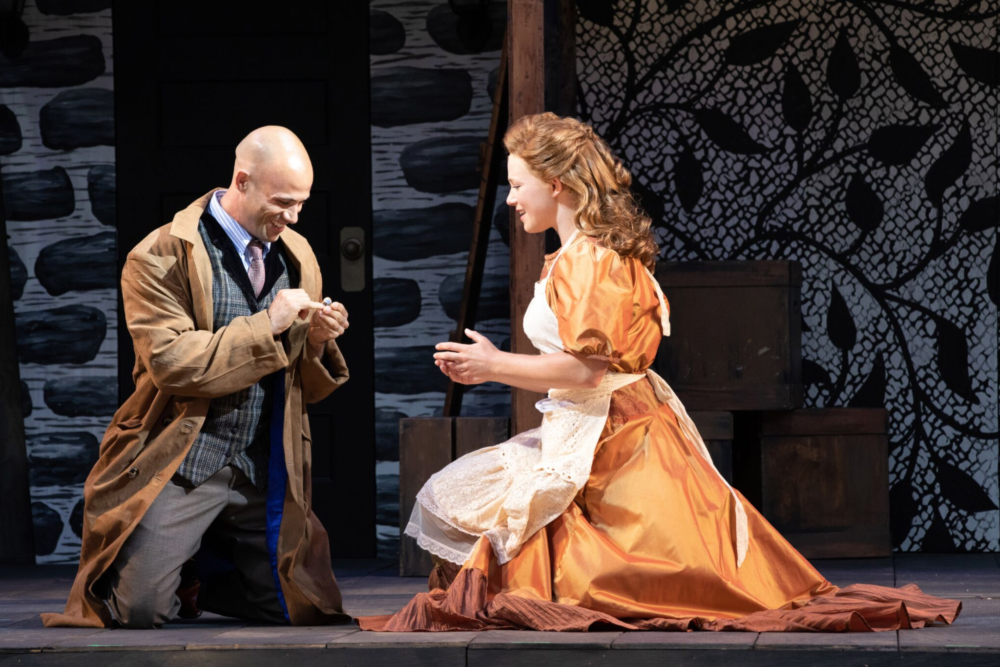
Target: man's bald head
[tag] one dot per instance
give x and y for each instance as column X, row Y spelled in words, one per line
column 272, row 147
column 272, row 178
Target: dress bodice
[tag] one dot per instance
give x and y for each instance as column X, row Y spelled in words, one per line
column 543, row 328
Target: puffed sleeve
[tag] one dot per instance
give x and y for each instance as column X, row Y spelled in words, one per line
column 591, row 293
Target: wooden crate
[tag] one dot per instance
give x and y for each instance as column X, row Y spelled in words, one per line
column 427, row 444
column 820, row 477
column 716, row 429
column 736, row 340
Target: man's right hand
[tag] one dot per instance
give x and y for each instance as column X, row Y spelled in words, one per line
column 289, row 304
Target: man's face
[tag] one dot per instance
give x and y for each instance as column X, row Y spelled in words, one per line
column 273, row 200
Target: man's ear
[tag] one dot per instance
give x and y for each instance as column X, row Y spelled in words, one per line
column 242, row 179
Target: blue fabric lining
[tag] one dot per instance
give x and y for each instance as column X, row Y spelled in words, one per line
column 277, row 482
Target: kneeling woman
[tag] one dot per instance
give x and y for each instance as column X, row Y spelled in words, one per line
column 612, row 512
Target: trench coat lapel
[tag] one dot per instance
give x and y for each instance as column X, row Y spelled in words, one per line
column 185, row 226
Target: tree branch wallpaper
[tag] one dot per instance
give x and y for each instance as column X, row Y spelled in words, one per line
column 858, row 137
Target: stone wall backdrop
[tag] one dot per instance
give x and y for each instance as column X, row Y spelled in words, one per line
column 860, row 138
column 57, row 163
column 432, row 77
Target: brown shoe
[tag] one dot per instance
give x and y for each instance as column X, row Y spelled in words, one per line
column 188, row 591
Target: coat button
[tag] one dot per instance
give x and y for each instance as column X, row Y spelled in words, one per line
column 133, row 473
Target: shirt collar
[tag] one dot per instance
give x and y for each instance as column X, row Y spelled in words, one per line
column 237, row 234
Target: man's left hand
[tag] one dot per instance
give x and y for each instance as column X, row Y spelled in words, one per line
column 327, row 324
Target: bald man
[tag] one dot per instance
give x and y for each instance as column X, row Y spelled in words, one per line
column 201, row 498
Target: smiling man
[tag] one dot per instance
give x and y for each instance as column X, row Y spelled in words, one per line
column 205, row 468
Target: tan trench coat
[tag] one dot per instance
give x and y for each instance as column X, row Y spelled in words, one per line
column 181, row 365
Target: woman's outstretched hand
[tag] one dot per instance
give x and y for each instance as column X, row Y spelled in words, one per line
column 467, row 364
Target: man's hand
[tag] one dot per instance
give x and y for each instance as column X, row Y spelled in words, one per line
column 467, row 364
column 328, row 323
column 288, row 305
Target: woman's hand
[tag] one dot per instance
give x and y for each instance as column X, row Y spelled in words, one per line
column 467, row 364
column 483, row 362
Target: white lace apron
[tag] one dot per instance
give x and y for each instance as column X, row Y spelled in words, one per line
column 509, row 491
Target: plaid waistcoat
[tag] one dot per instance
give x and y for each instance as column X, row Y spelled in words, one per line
column 236, row 428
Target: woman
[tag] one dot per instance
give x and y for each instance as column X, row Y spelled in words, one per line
column 612, row 512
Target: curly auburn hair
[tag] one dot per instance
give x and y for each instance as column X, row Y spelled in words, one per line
column 565, row 148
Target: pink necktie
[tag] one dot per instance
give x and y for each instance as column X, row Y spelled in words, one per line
column 256, row 271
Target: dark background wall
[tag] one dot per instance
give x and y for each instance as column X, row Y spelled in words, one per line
column 57, row 160
column 860, row 138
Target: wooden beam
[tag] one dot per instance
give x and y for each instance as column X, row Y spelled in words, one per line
column 526, row 32
column 492, row 165
column 17, row 534
column 534, row 27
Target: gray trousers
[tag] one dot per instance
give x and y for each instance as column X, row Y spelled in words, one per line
column 228, row 509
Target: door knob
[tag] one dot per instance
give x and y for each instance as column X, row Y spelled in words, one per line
column 352, row 249
column 352, row 263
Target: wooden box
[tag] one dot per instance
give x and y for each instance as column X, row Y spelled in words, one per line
column 716, row 429
column 736, row 340
column 820, row 477
column 427, row 444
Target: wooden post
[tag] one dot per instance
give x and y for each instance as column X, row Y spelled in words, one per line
column 17, row 534
column 527, row 23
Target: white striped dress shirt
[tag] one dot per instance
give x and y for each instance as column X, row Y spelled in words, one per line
column 240, row 237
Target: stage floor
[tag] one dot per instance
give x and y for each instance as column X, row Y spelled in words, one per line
column 372, row 587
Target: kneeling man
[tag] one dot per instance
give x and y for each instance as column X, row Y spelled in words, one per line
column 210, row 455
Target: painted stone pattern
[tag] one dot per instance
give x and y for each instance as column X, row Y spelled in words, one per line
column 431, row 74
column 57, row 162
column 859, row 138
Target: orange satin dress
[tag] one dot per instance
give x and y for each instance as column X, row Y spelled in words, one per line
column 649, row 541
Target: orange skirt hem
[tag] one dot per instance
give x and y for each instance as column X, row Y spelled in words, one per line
column 857, row 608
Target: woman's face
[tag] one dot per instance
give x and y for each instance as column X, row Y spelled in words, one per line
column 533, row 199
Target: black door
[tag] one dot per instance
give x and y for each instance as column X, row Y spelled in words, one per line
column 191, row 80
